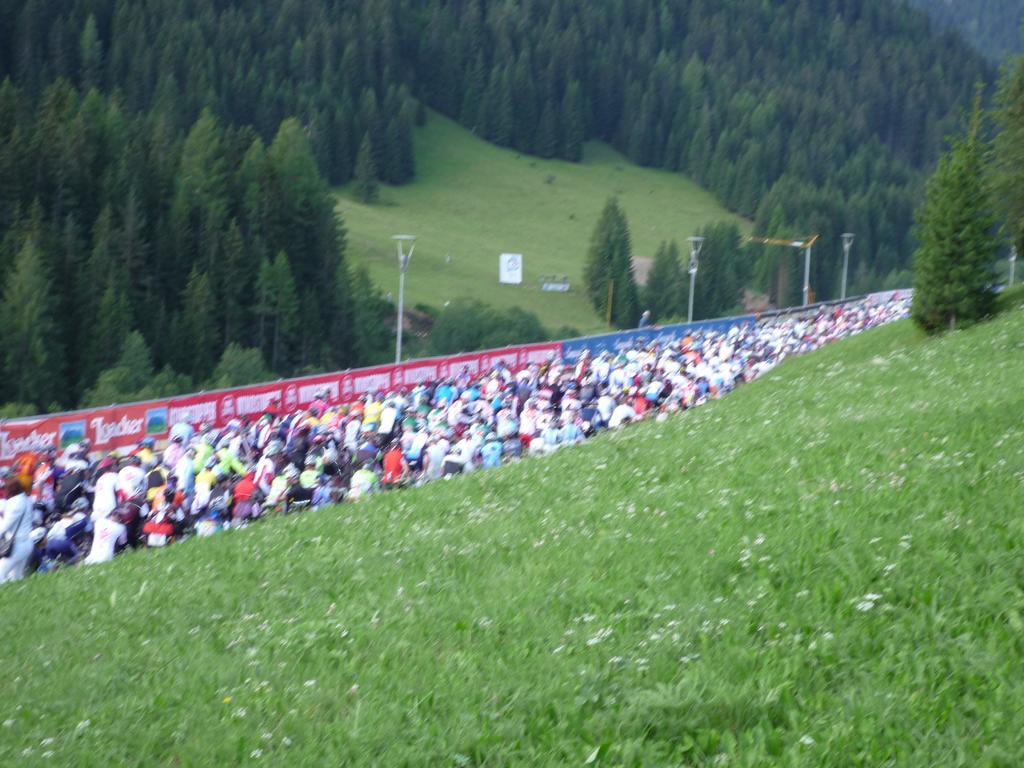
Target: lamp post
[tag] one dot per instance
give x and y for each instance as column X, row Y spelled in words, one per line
column 696, row 243
column 847, row 243
column 1013, row 263
column 403, row 265
column 806, row 247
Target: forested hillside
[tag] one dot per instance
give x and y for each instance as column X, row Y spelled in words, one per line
column 124, row 205
column 994, row 26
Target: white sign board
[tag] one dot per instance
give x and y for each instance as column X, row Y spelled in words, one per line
column 510, row 268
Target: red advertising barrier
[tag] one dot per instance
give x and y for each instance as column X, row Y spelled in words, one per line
column 122, row 426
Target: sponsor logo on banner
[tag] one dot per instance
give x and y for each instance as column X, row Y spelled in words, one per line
column 156, row 421
column 247, row 405
column 308, row 392
column 227, row 408
column 12, row 446
column 106, row 431
column 462, row 365
column 530, row 356
column 194, row 414
column 71, row 432
column 346, row 387
column 489, row 361
column 372, row 382
column 418, row 374
column 291, row 398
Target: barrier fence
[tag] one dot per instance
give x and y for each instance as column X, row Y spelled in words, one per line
column 121, row 426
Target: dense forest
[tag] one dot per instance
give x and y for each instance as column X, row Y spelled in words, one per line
column 164, row 164
column 994, row 26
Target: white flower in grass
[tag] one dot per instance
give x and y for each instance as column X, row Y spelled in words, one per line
column 309, row 683
column 82, row 726
column 806, row 740
column 256, row 754
column 600, row 636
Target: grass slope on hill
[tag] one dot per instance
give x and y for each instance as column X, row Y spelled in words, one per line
column 822, row 569
column 474, row 201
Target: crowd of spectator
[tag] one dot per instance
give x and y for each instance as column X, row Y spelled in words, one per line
column 59, row 509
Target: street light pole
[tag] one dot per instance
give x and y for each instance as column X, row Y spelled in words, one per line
column 847, row 243
column 403, row 265
column 696, row 243
column 807, row 274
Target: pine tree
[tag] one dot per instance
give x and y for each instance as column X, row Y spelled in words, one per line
column 239, row 366
column 547, row 132
column 365, row 187
column 374, row 337
column 90, row 52
column 609, row 267
column 30, row 347
column 200, row 342
column 1008, row 155
column 277, row 310
column 625, row 298
column 237, row 279
column 573, row 122
column 955, row 224
column 113, row 325
column 665, row 283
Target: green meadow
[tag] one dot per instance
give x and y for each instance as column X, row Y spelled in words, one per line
column 823, row 568
column 472, row 201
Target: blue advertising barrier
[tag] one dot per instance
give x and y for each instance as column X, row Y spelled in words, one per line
column 668, row 334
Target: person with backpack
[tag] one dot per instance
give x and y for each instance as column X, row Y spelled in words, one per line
column 15, row 531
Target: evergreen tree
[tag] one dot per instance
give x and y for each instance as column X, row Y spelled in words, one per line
column 723, row 271
column 665, row 283
column 239, row 366
column 236, row 287
column 129, row 375
column 365, row 188
column 200, row 340
column 609, row 267
column 90, row 52
column 132, row 377
column 547, row 132
column 113, row 325
column 30, row 347
column 953, row 265
column 573, row 121
column 278, row 312
column 625, row 297
column 1008, row 155
column 374, row 320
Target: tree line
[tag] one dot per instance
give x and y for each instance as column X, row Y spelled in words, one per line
column 973, row 209
column 197, row 242
column 993, row 26
column 724, row 270
column 151, row 153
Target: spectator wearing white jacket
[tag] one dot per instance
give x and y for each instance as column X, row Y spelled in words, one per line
column 17, row 519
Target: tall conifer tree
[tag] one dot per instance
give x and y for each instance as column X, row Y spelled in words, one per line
column 955, row 226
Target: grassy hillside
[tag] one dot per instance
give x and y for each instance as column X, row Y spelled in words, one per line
column 822, row 569
column 473, row 200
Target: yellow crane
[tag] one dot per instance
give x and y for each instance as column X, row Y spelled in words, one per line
column 805, row 244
